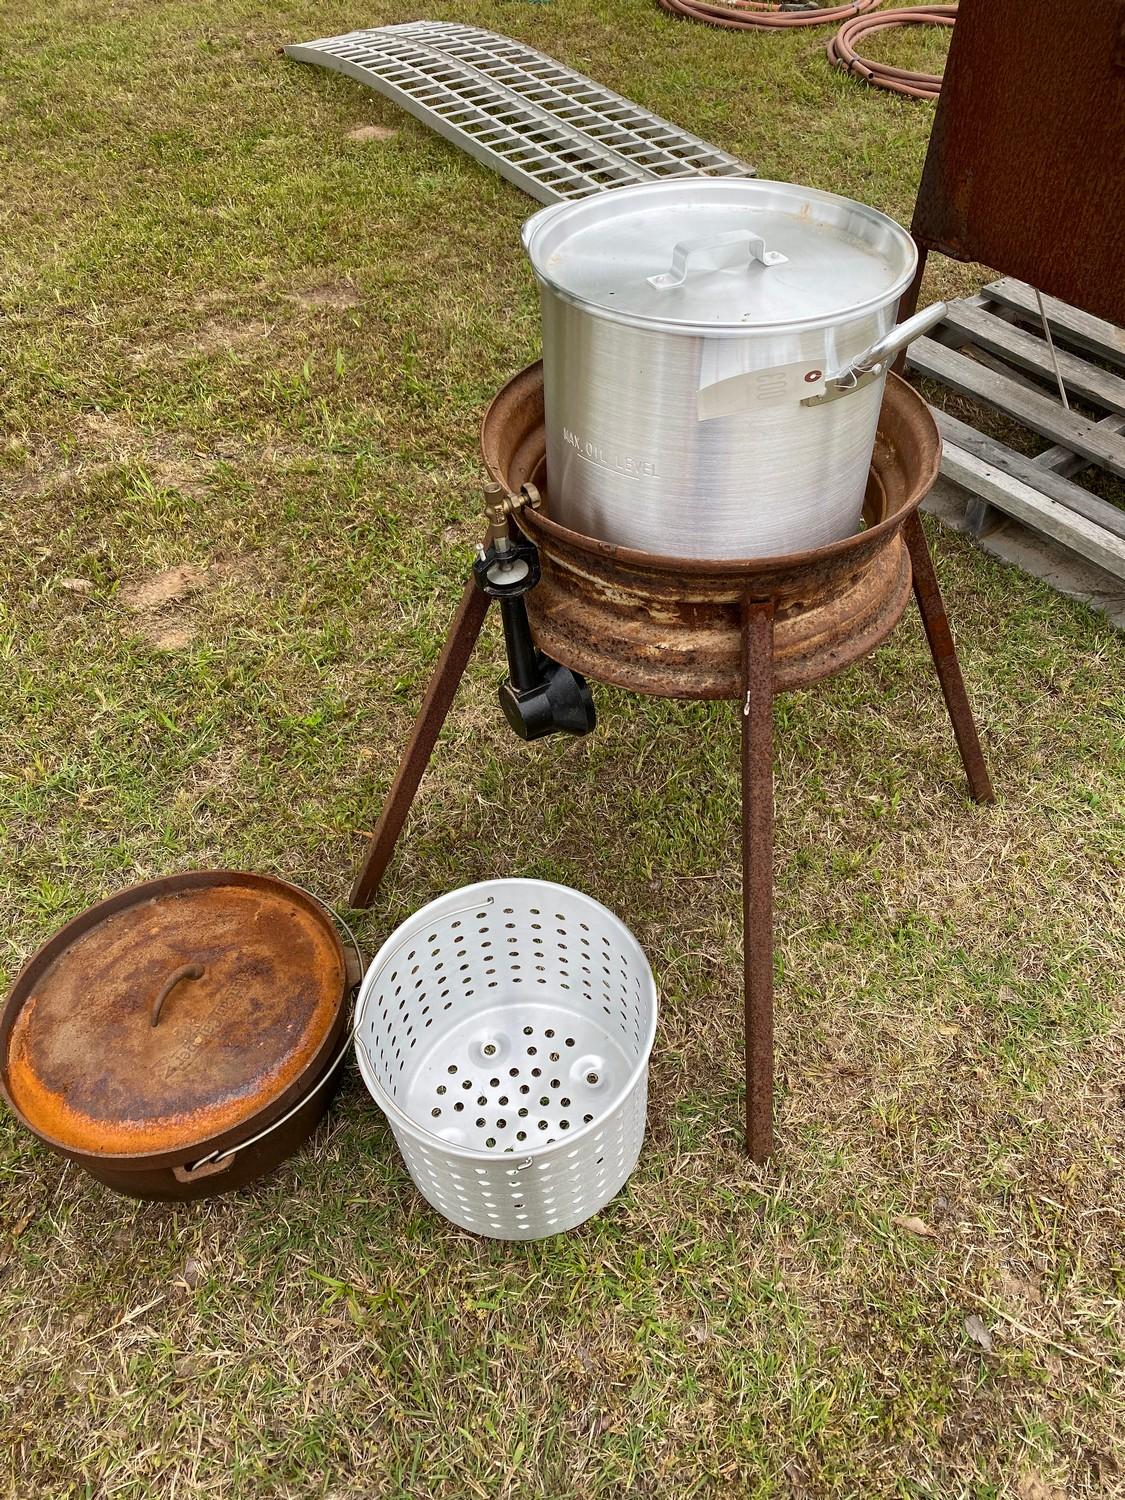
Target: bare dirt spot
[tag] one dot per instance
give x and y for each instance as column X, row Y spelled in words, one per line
column 150, row 355
column 51, row 481
column 217, row 296
column 165, row 637
column 178, row 474
column 213, row 297
column 372, row 133
column 243, row 568
column 161, row 589
column 111, row 432
column 1019, row 1289
column 149, row 599
column 224, row 335
column 1032, row 1486
column 107, row 441
column 338, row 295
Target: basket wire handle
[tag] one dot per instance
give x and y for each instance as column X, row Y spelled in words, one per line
column 456, row 911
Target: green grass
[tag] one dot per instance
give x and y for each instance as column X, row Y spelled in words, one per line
column 234, row 339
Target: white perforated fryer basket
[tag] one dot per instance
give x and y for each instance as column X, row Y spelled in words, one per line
column 505, row 1031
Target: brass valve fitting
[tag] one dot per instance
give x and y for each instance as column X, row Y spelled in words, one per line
column 499, row 505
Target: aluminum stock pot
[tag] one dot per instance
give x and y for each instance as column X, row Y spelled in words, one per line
column 714, row 356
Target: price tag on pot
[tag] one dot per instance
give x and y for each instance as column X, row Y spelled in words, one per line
column 753, row 390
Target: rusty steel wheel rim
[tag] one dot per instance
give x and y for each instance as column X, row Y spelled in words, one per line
column 670, row 626
column 526, row 387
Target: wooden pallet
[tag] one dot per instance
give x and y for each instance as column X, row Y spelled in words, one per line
column 991, row 348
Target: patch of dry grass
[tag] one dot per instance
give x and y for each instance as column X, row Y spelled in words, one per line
column 239, row 341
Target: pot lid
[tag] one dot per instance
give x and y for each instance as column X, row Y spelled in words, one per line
column 720, row 256
column 171, row 1013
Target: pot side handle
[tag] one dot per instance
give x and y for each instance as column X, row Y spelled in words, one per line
column 876, row 358
column 540, row 220
column 204, row 1168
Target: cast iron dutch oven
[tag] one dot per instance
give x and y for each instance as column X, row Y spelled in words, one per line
column 180, row 1038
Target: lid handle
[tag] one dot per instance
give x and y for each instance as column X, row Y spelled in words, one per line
column 754, row 244
column 189, row 971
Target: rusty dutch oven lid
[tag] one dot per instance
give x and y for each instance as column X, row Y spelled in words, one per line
column 171, row 1013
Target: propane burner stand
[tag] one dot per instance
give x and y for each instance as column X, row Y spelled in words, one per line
column 686, row 628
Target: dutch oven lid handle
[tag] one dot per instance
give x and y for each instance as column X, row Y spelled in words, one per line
column 189, row 971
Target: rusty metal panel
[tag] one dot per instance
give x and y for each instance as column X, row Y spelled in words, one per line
column 1026, row 166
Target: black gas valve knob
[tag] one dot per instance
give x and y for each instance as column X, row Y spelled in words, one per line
column 507, row 569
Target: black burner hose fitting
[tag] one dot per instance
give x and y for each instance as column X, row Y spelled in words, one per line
column 539, row 696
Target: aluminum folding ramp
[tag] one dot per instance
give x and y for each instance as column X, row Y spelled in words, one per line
column 553, row 132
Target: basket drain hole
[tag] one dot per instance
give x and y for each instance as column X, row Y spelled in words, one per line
column 580, row 1073
column 490, row 1049
column 590, row 1071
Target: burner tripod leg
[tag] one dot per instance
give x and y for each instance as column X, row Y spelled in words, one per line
column 757, row 873
column 447, row 674
column 944, row 653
